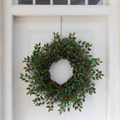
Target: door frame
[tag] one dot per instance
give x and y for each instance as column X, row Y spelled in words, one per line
column 113, row 66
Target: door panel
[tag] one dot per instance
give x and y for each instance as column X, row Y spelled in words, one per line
column 92, row 29
column 28, row 32
column 31, row 30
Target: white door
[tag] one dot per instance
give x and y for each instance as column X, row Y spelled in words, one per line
column 31, row 30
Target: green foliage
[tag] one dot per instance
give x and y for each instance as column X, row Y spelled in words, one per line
column 73, row 92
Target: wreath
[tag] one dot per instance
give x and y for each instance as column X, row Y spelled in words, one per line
column 73, row 92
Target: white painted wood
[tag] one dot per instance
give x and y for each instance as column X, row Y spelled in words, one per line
column 15, row 2
column 57, row 10
column 69, row 2
column 86, row 2
column 34, row 2
column 92, row 29
column 113, row 111
column 31, row 30
column 101, row 2
column 111, row 12
column 28, row 32
column 51, row 2
column 7, row 64
column 1, row 9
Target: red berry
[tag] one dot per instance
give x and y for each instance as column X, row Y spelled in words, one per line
column 91, row 89
column 28, row 66
column 89, row 49
column 68, row 50
column 97, row 63
column 59, row 48
column 74, row 38
column 80, row 55
column 77, row 66
column 55, row 53
column 49, row 106
column 85, row 81
column 47, row 61
column 28, row 88
column 37, row 77
column 83, row 60
column 60, row 87
column 97, row 78
column 82, row 86
column 72, row 96
column 76, row 107
column 40, row 61
column 69, row 83
column 77, row 78
column 65, row 98
column 58, row 58
column 48, row 96
column 53, row 97
column 46, row 73
column 87, row 74
column 41, row 88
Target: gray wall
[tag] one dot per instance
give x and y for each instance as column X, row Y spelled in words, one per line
column 1, row 59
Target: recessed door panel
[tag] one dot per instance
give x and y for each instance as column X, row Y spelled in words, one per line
column 28, row 32
column 92, row 29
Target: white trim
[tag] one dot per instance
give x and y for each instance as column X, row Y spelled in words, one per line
column 7, row 64
column 113, row 102
column 48, row 10
column 51, row 2
column 86, row 2
column 34, row 2
column 69, row 2
column 113, row 109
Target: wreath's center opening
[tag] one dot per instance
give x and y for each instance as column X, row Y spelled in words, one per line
column 61, row 71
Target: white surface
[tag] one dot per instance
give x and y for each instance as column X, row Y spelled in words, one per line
column 113, row 66
column 59, row 10
column 61, row 71
column 7, row 70
column 1, row 59
column 31, row 30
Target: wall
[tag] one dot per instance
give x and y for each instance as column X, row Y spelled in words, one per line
column 1, row 59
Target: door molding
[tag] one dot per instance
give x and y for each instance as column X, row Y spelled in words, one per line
column 113, row 66
column 1, row 59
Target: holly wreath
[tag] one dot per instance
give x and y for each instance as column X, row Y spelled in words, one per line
column 73, row 92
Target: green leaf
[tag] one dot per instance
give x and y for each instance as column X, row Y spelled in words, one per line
column 86, row 45
column 68, row 109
